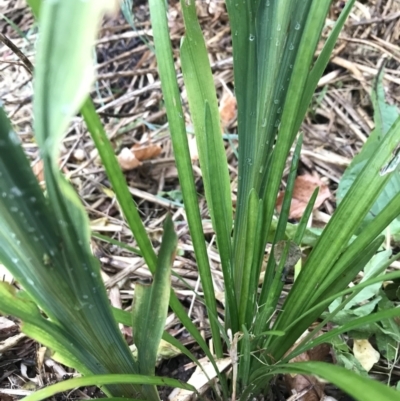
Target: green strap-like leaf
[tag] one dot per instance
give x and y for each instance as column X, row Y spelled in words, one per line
column 203, row 106
column 151, row 307
column 36, row 326
column 181, row 149
column 322, row 61
column 151, row 304
column 384, row 117
column 62, row 276
column 336, row 235
column 101, row 380
column 118, row 182
column 215, row 170
column 247, row 296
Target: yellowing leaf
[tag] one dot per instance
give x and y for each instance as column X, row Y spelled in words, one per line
column 108, row 191
column 365, row 353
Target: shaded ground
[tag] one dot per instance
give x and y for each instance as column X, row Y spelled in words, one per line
column 128, row 96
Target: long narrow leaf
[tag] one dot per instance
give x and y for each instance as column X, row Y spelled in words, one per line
column 201, row 94
column 63, row 75
column 184, row 165
column 288, row 129
column 216, row 168
column 247, row 294
column 101, row 380
column 118, row 182
column 338, row 232
column 322, row 61
column 151, row 305
column 69, row 288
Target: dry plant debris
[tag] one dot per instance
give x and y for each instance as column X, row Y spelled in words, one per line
column 366, row 354
column 304, row 187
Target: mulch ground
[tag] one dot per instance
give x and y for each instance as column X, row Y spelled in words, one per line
column 127, row 95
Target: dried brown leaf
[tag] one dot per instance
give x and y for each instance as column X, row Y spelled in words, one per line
column 304, row 187
column 308, row 388
column 38, row 170
column 146, row 152
column 227, row 108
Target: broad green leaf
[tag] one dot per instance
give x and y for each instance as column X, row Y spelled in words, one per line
column 376, row 265
column 350, row 362
column 344, row 268
column 373, row 265
column 385, row 116
column 387, row 346
column 389, row 326
column 344, row 316
column 318, row 311
column 350, row 290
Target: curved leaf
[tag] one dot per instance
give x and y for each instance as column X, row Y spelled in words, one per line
column 101, row 380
